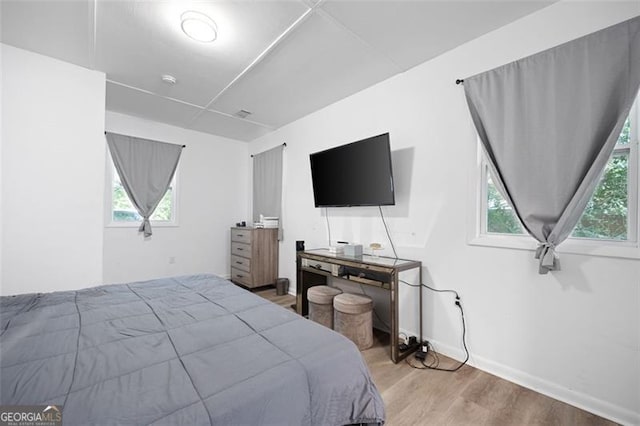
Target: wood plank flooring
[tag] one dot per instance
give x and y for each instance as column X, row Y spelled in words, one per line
column 467, row 397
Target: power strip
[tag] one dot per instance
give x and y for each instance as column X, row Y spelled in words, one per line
column 409, row 344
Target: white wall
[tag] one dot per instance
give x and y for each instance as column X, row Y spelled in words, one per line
column 53, row 160
column 574, row 334
column 52, row 173
column 212, row 188
column 1, row 149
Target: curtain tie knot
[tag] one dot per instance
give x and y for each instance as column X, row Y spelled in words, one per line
column 549, row 261
column 145, row 227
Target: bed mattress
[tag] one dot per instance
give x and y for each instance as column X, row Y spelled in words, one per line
column 193, row 350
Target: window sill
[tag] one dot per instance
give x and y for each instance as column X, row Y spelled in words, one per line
column 137, row 224
column 623, row 249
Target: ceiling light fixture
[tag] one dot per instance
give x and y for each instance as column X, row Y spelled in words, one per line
column 169, row 79
column 199, row 26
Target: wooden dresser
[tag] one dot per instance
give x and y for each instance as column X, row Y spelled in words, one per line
column 254, row 256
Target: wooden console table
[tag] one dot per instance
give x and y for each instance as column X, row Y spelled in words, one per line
column 314, row 266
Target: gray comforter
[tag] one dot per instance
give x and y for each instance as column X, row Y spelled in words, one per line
column 189, row 350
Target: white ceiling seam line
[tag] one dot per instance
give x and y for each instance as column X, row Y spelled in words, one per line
column 258, row 59
column 148, row 92
column 200, row 107
column 335, row 21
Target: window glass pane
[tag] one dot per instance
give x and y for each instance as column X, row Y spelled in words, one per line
column 606, row 214
column 123, row 210
column 625, row 134
column 605, row 217
column 163, row 211
column 500, row 216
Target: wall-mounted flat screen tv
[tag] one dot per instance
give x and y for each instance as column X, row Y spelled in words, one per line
column 356, row 174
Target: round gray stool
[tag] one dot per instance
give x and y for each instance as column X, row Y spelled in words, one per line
column 353, row 318
column 321, row 304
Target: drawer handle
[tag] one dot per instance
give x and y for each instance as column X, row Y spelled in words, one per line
column 240, row 249
column 239, row 235
column 239, row 263
column 238, row 275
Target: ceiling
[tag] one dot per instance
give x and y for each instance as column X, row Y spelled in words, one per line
column 279, row 60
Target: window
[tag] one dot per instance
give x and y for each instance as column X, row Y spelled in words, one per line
column 123, row 213
column 610, row 217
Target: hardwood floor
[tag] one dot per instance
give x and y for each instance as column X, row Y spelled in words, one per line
column 466, row 397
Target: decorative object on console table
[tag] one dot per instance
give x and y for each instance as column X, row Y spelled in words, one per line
column 254, row 256
column 353, row 250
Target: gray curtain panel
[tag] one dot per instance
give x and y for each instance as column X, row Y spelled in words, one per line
column 548, row 124
column 267, row 184
column 146, row 169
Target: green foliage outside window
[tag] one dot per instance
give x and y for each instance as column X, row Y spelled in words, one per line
column 605, row 216
column 625, row 134
column 500, row 216
column 123, row 210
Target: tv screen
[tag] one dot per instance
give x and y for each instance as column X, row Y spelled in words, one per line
column 356, row 174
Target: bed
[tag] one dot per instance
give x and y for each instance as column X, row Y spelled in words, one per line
column 194, row 350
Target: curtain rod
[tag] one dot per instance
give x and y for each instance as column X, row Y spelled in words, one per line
column 184, row 146
column 283, row 144
column 459, row 81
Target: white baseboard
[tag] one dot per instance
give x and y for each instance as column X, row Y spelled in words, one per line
column 578, row 399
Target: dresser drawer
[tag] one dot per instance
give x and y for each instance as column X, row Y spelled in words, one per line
column 241, row 263
column 241, row 235
column 240, row 276
column 240, row 249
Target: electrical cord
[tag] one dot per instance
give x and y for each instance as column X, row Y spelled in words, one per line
column 430, row 353
column 386, row 228
column 388, row 235
column 414, row 366
column 430, row 350
column 434, row 355
column 435, row 364
column 432, row 289
column 326, row 216
column 464, row 344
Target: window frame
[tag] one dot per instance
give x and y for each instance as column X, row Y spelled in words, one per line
column 629, row 248
column 110, row 223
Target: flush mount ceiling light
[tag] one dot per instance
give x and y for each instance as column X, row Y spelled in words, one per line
column 168, row 79
column 199, row 26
